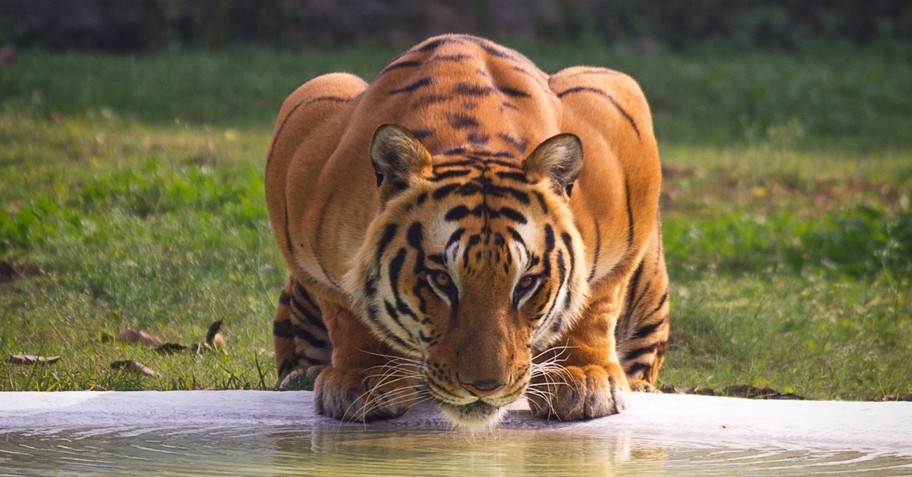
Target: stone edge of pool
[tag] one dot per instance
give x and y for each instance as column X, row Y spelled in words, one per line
column 884, row 426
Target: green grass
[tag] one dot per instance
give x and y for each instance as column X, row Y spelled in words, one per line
column 135, row 186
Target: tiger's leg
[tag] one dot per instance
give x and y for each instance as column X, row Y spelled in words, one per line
column 580, row 377
column 618, row 344
column 642, row 330
column 367, row 381
column 299, row 334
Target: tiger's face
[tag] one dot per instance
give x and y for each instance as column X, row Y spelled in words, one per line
column 472, row 264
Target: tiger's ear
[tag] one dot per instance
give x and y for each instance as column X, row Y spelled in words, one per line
column 559, row 159
column 396, row 155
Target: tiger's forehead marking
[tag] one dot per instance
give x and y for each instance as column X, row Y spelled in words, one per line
column 485, row 225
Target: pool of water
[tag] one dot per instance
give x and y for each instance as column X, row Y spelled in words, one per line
column 350, row 451
column 230, row 433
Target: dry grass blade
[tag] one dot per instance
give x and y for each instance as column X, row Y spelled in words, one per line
column 134, row 366
column 31, row 359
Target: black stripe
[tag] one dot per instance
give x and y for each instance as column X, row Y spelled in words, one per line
column 301, row 313
column 473, row 163
column 508, row 165
column 414, row 236
column 519, row 144
column 634, row 354
column 661, row 302
column 432, row 45
column 461, row 121
column 504, row 190
column 306, row 296
column 649, row 329
column 629, row 215
column 631, row 290
column 451, row 58
column 637, row 367
column 512, row 92
column 388, row 233
column 455, row 237
column 445, row 190
column 491, row 50
column 466, row 89
column 286, row 367
column 598, row 249
column 549, row 239
column 450, row 174
column 588, row 89
column 412, row 86
column 308, row 337
column 538, row 79
column 513, row 214
column 478, row 139
column 396, row 66
column 457, row 213
column 516, row 176
column 284, row 299
column 516, row 237
column 453, row 152
column 541, row 200
column 430, row 99
column 282, row 329
column 422, row 133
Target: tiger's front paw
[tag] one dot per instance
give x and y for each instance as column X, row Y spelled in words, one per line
column 578, row 392
column 360, row 395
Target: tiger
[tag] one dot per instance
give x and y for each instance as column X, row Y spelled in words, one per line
column 468, row 230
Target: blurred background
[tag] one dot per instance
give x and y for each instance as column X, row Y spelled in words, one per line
column 143, row 25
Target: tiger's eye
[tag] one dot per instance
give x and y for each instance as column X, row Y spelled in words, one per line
column 442, row 279
column 526, row 282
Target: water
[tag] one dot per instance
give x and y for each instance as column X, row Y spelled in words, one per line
column 350, row 451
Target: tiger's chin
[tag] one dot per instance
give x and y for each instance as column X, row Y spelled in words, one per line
column 475, row 415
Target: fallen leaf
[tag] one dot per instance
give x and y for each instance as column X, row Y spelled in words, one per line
column 31, row 359
column 214, row 336
column 171, row 348
column 896, row 397
column 134, row 336
column 135, row 366
column 9, row 271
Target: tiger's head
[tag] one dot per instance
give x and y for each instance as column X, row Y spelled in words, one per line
column 472, row 265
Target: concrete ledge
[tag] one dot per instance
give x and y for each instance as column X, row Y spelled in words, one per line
column 885, row 426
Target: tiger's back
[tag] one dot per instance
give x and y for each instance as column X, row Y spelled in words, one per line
column 468, row 102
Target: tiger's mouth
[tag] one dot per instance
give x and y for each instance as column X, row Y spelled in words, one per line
column 475, row 414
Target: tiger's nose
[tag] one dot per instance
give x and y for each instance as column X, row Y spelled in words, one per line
column 483, row 387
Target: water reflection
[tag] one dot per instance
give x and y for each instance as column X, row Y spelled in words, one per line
column 348, row 451
column 494, row 453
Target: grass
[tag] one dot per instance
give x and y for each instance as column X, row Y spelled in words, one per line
column 134, row 186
